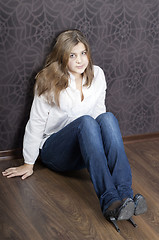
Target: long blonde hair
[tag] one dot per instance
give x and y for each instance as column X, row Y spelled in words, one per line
column 54, row 76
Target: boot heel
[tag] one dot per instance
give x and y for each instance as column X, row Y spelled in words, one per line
column 114, row 222
column 132, row 222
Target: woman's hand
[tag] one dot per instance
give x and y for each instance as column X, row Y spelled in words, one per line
column 25, row 171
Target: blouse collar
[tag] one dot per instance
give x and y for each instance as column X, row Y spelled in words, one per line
column 72, row 82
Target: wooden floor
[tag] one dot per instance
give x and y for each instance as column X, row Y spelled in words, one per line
column 50, row 206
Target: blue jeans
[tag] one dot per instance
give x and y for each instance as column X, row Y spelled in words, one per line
column 97, row 145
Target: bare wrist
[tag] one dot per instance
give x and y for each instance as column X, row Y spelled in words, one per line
column 29, row 165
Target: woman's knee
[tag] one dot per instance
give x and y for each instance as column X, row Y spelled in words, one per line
column 107, row 117
column 87, row 122
column 110, row 126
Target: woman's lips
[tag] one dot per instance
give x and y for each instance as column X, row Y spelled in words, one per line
column 80, row 67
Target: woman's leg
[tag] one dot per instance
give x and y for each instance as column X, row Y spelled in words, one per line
column 114, row 149
column 79, row 145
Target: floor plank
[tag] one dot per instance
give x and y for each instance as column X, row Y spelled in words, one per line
column 50, row 206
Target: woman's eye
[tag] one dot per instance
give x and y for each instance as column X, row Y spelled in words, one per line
column 72, row 55
column 84, row 53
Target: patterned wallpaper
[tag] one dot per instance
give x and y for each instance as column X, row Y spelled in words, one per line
column 124, row 38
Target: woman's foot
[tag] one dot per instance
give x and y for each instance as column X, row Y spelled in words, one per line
column 140, row 204
column 122, row 211
column 126, row 210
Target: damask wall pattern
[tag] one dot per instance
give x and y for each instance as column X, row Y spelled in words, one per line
column 124, row 38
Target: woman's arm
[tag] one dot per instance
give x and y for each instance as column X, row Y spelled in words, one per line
column 100, row 86
column 32, row 138
column 35, row 129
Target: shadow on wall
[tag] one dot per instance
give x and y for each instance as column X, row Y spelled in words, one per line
column 124, row 37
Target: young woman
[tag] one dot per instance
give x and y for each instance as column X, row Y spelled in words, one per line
column 70, row 128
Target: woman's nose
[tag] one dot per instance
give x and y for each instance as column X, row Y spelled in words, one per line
column 78, row 59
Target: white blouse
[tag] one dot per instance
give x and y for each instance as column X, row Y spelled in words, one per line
column 46, row 119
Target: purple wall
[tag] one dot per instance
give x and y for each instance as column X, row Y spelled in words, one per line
column 124, row 37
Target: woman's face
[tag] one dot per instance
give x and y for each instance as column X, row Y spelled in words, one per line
column 78, row 60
